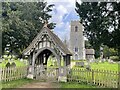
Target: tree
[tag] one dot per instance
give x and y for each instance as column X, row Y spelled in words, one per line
column 87, row 44
column 115, row 34
column 107, row 52
column 21, row 24
column 101, row 22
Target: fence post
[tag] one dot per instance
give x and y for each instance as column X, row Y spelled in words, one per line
column 118, row 79
column 92, row 76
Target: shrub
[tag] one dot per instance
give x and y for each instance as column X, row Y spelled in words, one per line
column 114, row 58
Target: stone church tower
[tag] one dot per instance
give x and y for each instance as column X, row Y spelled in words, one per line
column 77, row 45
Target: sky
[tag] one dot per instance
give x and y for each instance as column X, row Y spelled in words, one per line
column 62, row 14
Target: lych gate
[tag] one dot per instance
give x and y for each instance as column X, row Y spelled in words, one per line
column 38, row 52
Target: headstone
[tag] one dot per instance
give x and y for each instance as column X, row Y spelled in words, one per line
column 7, row 65
column 86, row 63
column 91, row 60
column 119, row 62
column 13, row 65
column 21, row 60
column 88, row 67
column 111, row 62
column 1, row 60
column 81, row 64
column 104, row 60
column 96, row 61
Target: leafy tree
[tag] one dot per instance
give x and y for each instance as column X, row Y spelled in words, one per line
column 101, row 23
column 115, row 20
column 21, row 23
column 107, row 52
column 87, row 44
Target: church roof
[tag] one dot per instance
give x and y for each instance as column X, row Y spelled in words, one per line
column 90, row 51
column 53, row 36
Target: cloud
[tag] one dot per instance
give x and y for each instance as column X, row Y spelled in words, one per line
column 63, row 12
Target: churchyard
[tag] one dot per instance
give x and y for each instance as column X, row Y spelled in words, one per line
column 98, row 74
column 35, row 56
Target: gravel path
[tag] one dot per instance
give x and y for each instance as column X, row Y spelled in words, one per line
column 41, row 85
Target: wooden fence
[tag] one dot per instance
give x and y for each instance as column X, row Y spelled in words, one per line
column 101, row 78
column 13, row 73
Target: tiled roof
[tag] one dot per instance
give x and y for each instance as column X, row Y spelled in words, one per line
column 54, row 37
column 90, row 51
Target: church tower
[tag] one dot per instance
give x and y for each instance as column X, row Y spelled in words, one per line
column 77, row 45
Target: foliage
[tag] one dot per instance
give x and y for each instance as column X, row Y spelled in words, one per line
column 107, row 52
column 114, row 58
column 87, row 45
column 101, row 23
column 21, row 24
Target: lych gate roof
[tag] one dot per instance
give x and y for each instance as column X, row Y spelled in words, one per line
column 54, row 37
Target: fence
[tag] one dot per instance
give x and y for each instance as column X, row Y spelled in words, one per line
column 13, row 73
column 101, row 78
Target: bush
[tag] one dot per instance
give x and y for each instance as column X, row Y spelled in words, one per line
column 114, row 58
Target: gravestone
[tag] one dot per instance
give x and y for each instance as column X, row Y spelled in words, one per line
column 96, row 61
column 88, row 67
column 13, row 65
column 91, row 60
column 81, row 64
column 7, row 65
column 111, row 62
column 0, row 60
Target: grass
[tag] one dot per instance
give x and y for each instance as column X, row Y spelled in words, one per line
column 103, row 66
column 17, row 83
column 17, row 62
column 75, row 85
column 97, row 75
column 21, row 82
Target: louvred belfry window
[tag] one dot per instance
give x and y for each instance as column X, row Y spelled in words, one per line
column 76, row 28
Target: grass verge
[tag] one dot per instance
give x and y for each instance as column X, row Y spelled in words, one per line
column 75, row 85
column 17, row 83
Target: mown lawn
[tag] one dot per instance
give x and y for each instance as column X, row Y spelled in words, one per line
column 21, row 82
column 105, row 66
column 75, row 85
column 17, row 83
column 102, row 66
column 104, row 72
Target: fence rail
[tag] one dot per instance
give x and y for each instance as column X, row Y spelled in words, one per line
column 101, row 78
column 13, row 73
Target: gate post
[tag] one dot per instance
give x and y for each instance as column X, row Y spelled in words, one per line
column 63, row 71
column 62, row 74
column 31, row 70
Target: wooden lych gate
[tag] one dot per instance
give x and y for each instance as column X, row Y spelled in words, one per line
column 38, row 52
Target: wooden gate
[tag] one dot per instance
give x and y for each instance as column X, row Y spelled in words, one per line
column 44, row 73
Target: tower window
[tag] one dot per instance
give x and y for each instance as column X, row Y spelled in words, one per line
column 76, row 49
column 76, row 28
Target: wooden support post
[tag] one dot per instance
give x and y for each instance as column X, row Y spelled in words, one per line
column 92, row 76
column 119, row 80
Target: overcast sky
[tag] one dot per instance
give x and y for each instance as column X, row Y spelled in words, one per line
column 63, row 12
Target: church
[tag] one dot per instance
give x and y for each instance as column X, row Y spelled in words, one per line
column 77, row 43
